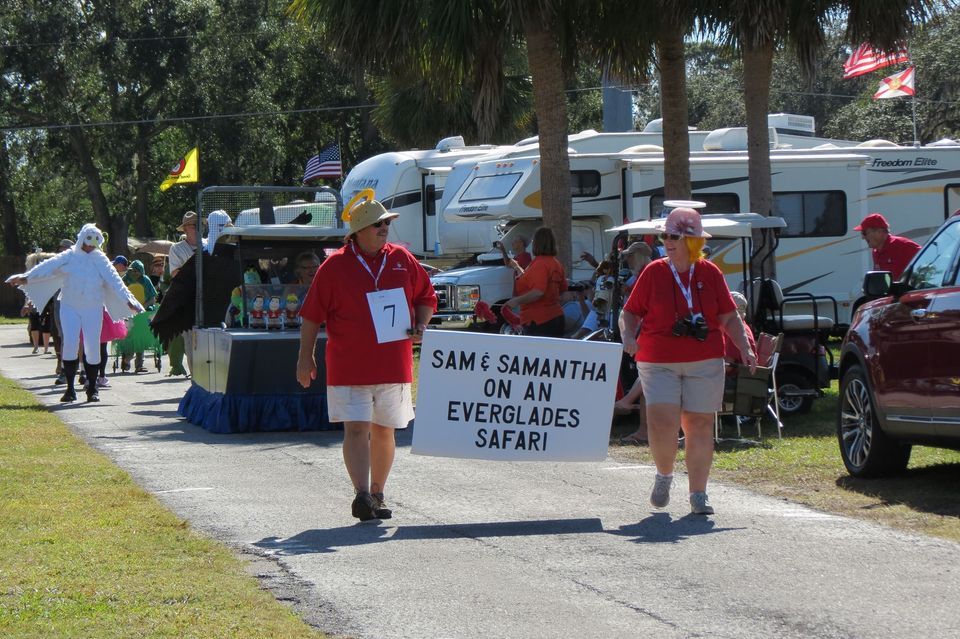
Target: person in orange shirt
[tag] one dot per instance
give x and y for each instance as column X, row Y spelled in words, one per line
column 538, row 289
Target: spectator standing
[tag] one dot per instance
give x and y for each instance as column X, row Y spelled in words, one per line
column 538, row 289
column 140, row 338
column 521, row 258
column 368, row 377
column 178, row 256
column 890, row 252
column 673, row 323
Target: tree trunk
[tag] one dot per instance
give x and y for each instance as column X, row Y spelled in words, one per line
column 550, row 103
column 117, row 243
column 673, row 109
column 141, row 224
column 757, row 69
column 8, row 210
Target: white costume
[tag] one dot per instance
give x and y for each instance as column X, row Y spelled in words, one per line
column 88, row 283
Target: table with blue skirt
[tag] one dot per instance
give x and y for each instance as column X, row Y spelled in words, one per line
column 244, row 380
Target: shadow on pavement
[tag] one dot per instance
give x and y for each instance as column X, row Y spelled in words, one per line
column 328, row 540
column 923, row 489
column 661, row 528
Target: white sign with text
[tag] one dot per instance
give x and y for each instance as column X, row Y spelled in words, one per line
column 512, row 398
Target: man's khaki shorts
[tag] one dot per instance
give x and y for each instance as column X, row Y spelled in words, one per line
column 696, row 387
column 389, row 405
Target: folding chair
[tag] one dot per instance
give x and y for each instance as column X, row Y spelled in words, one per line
column 754, row 395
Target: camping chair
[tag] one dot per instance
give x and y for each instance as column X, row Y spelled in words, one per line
column 755, row 395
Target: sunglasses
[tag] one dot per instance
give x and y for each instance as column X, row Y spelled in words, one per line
column 377, row 225
column 669, row 236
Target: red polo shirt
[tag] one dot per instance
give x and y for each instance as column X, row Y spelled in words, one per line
column 338, row 297
column 657, row 301
column 894, row 255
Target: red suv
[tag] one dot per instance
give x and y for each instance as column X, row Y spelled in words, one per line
column 900, row 362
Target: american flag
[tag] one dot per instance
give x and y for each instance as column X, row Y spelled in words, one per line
column 865, row 59
column 325, row 164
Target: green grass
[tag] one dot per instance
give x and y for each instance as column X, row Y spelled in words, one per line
column 85, row 552
column 805, row 467
column 13, row 320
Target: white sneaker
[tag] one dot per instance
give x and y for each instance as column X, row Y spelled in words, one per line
column 700, row 504
column 660, row 495
column 103, row 382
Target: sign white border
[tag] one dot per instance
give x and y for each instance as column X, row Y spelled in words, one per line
column 511, row 398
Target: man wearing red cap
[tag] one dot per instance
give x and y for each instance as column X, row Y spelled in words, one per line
column 890, row 252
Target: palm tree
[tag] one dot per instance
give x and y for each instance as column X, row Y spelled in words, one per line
column 758, row 27
column 458, row 43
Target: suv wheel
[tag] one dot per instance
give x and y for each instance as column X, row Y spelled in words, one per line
column 865, row 449
column 792, row 381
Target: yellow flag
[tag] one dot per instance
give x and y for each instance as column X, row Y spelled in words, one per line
column 186, row 171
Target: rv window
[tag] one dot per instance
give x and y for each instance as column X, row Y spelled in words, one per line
column 716, row 203
column 951, row 198
column 812, row 213
column 584, row 183
column 488, row 187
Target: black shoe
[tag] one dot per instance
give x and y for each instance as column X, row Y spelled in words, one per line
column 363, row 506
column 69, row 396
column 380, row 509
column 83, row 380
column 93, row 396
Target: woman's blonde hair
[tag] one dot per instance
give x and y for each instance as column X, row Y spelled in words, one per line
column 695, row 247
column 35, row 258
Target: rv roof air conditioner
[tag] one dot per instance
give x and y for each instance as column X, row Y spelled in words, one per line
column 793, row 124
column 644, row 148
column 448, row 144
column 733, row 139
column 878, row 144
column 654, row 126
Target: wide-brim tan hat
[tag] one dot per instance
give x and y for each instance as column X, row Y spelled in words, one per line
column 189, row 219
column 367, row 213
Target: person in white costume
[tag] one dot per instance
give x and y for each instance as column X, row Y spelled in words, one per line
column 88, row 284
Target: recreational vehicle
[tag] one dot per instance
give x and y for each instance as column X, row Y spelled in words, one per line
column 821, row 196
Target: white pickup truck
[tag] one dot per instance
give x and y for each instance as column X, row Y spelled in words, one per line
column 459, row 290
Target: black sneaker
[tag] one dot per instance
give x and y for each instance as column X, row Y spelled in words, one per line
column 363, row 506
column 83, row 380
column 93, row 395
column 380, row 509
column 69, row 396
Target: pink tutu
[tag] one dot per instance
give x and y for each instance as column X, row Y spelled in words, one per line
column 111, row 330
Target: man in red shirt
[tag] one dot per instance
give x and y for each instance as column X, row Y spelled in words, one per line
column 375, row 300
column 890, row 252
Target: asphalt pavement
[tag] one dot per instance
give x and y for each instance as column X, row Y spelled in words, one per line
column 484, row 549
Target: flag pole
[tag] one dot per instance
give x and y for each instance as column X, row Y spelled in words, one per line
column 913, row 108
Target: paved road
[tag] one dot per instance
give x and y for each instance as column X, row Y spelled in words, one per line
column 478, row 549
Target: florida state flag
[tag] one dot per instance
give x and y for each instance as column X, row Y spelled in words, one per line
column 896, row 86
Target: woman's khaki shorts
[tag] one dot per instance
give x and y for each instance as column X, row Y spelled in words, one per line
column 389, row 405
column 696, row 387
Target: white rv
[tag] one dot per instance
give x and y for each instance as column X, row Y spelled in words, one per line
column 822, row 196
column 419, row 183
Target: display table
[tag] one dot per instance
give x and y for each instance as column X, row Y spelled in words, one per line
column 245, row 380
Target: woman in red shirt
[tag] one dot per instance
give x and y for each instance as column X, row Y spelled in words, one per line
column 672, row 324
column 538, row 289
